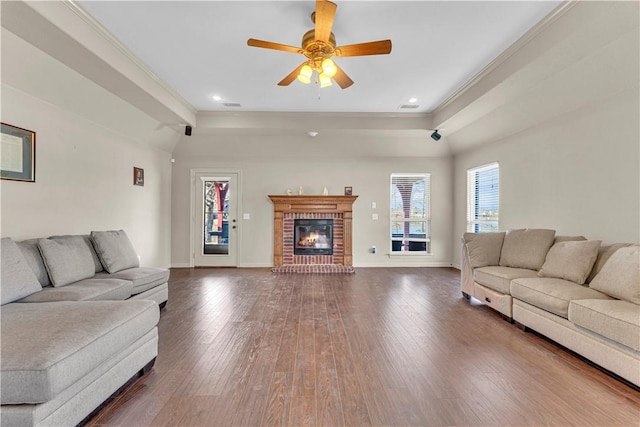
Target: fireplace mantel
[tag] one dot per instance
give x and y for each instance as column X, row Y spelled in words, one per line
column 288, row 207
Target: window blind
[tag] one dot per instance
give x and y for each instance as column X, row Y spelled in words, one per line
column 483, row 198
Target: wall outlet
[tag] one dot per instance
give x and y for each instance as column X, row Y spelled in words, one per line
column 246, row 216
column 373, row 205
column 373, row 249
column 374, row 217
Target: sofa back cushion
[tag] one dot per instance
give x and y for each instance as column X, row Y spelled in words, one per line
column 115, row 250
column 483, row 248
column 67, row 258
column 16, row 277
column 32, row 254
column 570, row 260
column 526, row 248
column 561, row 238
column 604, row 253
column 620, row 276
column 89, row 243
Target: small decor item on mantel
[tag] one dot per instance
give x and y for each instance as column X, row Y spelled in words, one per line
column 289, row 192
column 325, row 192
column 348, row 191
column 300, row 191
column 17, row 154
column 138, row 176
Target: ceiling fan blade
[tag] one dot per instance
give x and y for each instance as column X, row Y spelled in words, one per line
column 324, row 15
column 342, row 79
column 380, row 47
column 274, row 46
column 291, row 76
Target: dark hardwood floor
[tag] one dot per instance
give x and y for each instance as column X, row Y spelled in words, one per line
column 384, row 346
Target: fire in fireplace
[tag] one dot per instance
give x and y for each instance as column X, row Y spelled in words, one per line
column 313, row 237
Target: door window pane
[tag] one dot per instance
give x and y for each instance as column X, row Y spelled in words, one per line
column 216, row 215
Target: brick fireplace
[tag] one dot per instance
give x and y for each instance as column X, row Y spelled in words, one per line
column 337, row 210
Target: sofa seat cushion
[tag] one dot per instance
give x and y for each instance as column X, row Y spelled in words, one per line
column 614, row 319
column 48, row 350
column 551, row 294
column 85, row 290
column 143, row 278
column 499, row 278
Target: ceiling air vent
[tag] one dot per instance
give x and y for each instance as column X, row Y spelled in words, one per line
column 408, row 106
column 232, row 104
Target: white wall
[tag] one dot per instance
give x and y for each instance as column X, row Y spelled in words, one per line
column 578, row 174
column 369, row 177
column 87, row 143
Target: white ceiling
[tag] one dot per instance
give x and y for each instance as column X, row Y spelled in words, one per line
column 199, row 49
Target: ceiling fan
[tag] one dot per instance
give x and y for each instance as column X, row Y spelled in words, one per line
column 319, row 45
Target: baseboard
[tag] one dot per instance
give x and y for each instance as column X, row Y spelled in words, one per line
column 256, row 265
column 406, row 263
column 181, row 265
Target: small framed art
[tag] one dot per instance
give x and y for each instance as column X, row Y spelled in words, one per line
column 348, row 191
column 17, row 153
column 138, row 176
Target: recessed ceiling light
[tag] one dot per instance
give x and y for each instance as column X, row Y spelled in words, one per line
column 312, row 133
column 413, row 99
column 217, row 98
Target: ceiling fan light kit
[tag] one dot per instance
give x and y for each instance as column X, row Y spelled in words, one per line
column 319, row 45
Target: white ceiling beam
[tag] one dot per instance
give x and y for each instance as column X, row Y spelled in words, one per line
column 64, row 31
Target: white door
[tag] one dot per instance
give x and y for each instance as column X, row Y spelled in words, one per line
column 215, row 227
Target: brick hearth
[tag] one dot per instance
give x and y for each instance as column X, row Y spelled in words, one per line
column 289, row 208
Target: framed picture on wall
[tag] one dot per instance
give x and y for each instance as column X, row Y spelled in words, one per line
column 348, row 191
column 18, row 153
column 138, row 176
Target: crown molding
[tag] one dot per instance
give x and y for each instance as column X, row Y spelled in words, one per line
column 541, row 26
column 106, row 35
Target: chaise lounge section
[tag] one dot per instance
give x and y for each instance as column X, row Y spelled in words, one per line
column 78, row 321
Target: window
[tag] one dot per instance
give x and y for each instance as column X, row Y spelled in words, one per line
column 410, row 213
column 483, row 198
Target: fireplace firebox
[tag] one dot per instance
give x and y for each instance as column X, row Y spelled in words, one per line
column 313, row 237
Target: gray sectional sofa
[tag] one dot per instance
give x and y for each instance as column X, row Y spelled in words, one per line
column 576, row 292
column 78, row 321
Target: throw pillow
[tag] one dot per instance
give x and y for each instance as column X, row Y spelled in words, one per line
column 526, row 248
column 604, row 253
column 570, row 260
column 115, row 250
column 484, row 248
column 16, row 277
column 620, row 276
column 67, row 259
